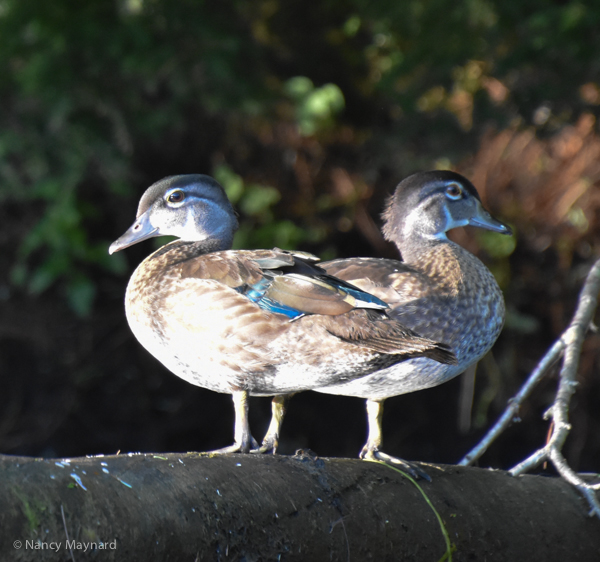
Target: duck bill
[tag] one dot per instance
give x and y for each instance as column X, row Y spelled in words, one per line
column 141, row 229
column 484, row 220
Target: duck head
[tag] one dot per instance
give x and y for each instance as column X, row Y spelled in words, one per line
column 192, row 207
column 427, row 205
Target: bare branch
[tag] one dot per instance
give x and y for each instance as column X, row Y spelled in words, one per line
column 569, row 345
column 514, row 404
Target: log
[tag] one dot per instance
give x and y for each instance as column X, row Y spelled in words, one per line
column 143, row 507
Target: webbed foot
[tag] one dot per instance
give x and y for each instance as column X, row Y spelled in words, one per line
column 269, row 445
column 270, row 442
column 243, row 440
column 409, row 467
column 241, row 447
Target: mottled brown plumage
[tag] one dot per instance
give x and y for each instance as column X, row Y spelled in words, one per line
column 446, row 293
column 185, row 306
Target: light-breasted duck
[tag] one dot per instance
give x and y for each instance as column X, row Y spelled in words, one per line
column 249, row 322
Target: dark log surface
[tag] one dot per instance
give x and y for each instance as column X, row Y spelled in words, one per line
column 172, row 507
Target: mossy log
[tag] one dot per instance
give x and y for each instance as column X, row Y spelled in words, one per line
column 192, row 507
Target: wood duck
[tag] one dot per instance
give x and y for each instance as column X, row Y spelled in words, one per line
column 440, row 290
column 263, row 322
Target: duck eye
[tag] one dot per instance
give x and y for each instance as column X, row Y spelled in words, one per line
column 175, row 196
column 454, row 191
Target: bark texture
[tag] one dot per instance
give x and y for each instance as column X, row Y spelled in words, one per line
column 188, row 507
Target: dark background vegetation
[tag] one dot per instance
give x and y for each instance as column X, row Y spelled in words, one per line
column 309, row 118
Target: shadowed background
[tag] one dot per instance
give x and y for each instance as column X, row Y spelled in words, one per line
column 309, row 118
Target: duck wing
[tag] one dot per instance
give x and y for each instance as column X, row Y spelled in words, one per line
column 392, row 281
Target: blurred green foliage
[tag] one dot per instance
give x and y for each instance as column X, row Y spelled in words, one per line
column 259, row 228
column 316, row 108
column 498, row 246
column 99, row 99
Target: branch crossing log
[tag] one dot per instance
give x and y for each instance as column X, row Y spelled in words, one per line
column 142, row 507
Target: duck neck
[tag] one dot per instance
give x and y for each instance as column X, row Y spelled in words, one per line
column 213, row 228
column 414, row 242
column 215, row 244
column 417, row 232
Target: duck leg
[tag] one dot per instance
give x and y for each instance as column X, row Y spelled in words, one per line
column 371, row 449
column 270, row 441
column 243, row 440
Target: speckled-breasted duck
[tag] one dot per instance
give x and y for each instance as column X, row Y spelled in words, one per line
column 440, row 290
column 245, row 322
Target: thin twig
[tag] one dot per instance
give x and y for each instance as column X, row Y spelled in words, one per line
column 62, row 511
column 569, row 345
column 514, row 404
